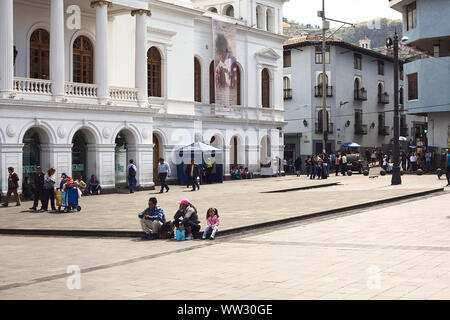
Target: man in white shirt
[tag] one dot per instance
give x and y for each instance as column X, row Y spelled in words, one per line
column 163, row 173
column 413, row 160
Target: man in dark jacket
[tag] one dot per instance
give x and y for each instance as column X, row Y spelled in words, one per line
column 187, row 217
column 193, row 173
column 38, row 188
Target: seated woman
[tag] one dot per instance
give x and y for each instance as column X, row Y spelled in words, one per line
column 243, row 173
column 233, row 173
column 187, row 217
column 82, row 186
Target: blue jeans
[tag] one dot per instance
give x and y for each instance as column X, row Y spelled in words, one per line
column 213, row 234
column 132, row 183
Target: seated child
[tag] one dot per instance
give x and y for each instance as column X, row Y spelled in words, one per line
column 212, row 222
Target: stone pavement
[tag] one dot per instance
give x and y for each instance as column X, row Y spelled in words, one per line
column 240, row 203
column 395, row 252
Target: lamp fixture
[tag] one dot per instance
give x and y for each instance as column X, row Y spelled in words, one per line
column 347, row 124
column 305, row 123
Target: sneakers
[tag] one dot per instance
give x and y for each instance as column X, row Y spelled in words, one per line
column 190, row 237
column 212, row 238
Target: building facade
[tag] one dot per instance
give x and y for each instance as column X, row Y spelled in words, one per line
column 86, row 86
column 359, row 89
column 426, row 28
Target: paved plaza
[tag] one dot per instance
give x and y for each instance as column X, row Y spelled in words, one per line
column 240, row 203
column 396, row 251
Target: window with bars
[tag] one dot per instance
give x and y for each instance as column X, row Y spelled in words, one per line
column 413, row 93
column 154, row 75
column 212, row 84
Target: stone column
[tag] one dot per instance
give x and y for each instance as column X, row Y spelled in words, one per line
column 101, row 162
column 57, row 64
column 141, row 55
column 101, row 49
column 6, row 47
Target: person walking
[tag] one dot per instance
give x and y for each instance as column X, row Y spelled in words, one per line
column 298, row 166
column 163, row 174
column 13, row 186
column 308, row 166
column 131, row 174
column 447, row 172
column 38, row 188
column 343, row 164
column 49, row 190
column 193, row 173
column 337, row 162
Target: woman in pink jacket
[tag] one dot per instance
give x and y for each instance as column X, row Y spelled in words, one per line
column 212, row 222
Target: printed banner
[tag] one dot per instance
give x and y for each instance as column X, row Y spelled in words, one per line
column 225, row 66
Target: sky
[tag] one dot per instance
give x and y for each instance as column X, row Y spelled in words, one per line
column 353, row 11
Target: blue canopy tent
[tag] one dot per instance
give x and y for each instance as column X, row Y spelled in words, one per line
column 351, row 145
column 201, row 153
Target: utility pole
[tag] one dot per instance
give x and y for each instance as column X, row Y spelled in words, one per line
column 324, row 84
column 396, row 177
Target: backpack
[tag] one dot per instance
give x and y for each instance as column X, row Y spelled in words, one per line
column 131, row 171
column 166, row 230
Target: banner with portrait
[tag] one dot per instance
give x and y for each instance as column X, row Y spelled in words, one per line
column 225, row 66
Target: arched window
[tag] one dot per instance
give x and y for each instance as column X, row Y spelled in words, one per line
column 83, row 60
column 212, row 9
column 39, row 54
column 286, row 83
column 356, row 85
column 212, row 84
column 238, row 85
column 259, row 17
column 229, row 11
column 265, row 85
column 197, row 80
column 270, row 20
column 154, row 72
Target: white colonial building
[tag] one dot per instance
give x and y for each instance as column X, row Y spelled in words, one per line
column 87, row 85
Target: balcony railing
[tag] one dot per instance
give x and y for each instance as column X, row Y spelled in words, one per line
column 360, row 129
column 81, row 89
column 383, row 98
column 318, row 90
column 404, row 131
column 35, row 86
column 320, row 130
column 126, row 94
column 361, row 94
column 287, row 94
column 383, row 131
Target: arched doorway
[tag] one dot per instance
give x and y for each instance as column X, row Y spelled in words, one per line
column 121, row 159
column 234, row 158
column 80, row 165
column 40, row 54
column 83, row 60
column 32, row 154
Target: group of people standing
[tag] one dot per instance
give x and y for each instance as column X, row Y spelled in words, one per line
column 43, row 188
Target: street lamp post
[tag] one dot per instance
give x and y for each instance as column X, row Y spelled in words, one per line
column 396, row 177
